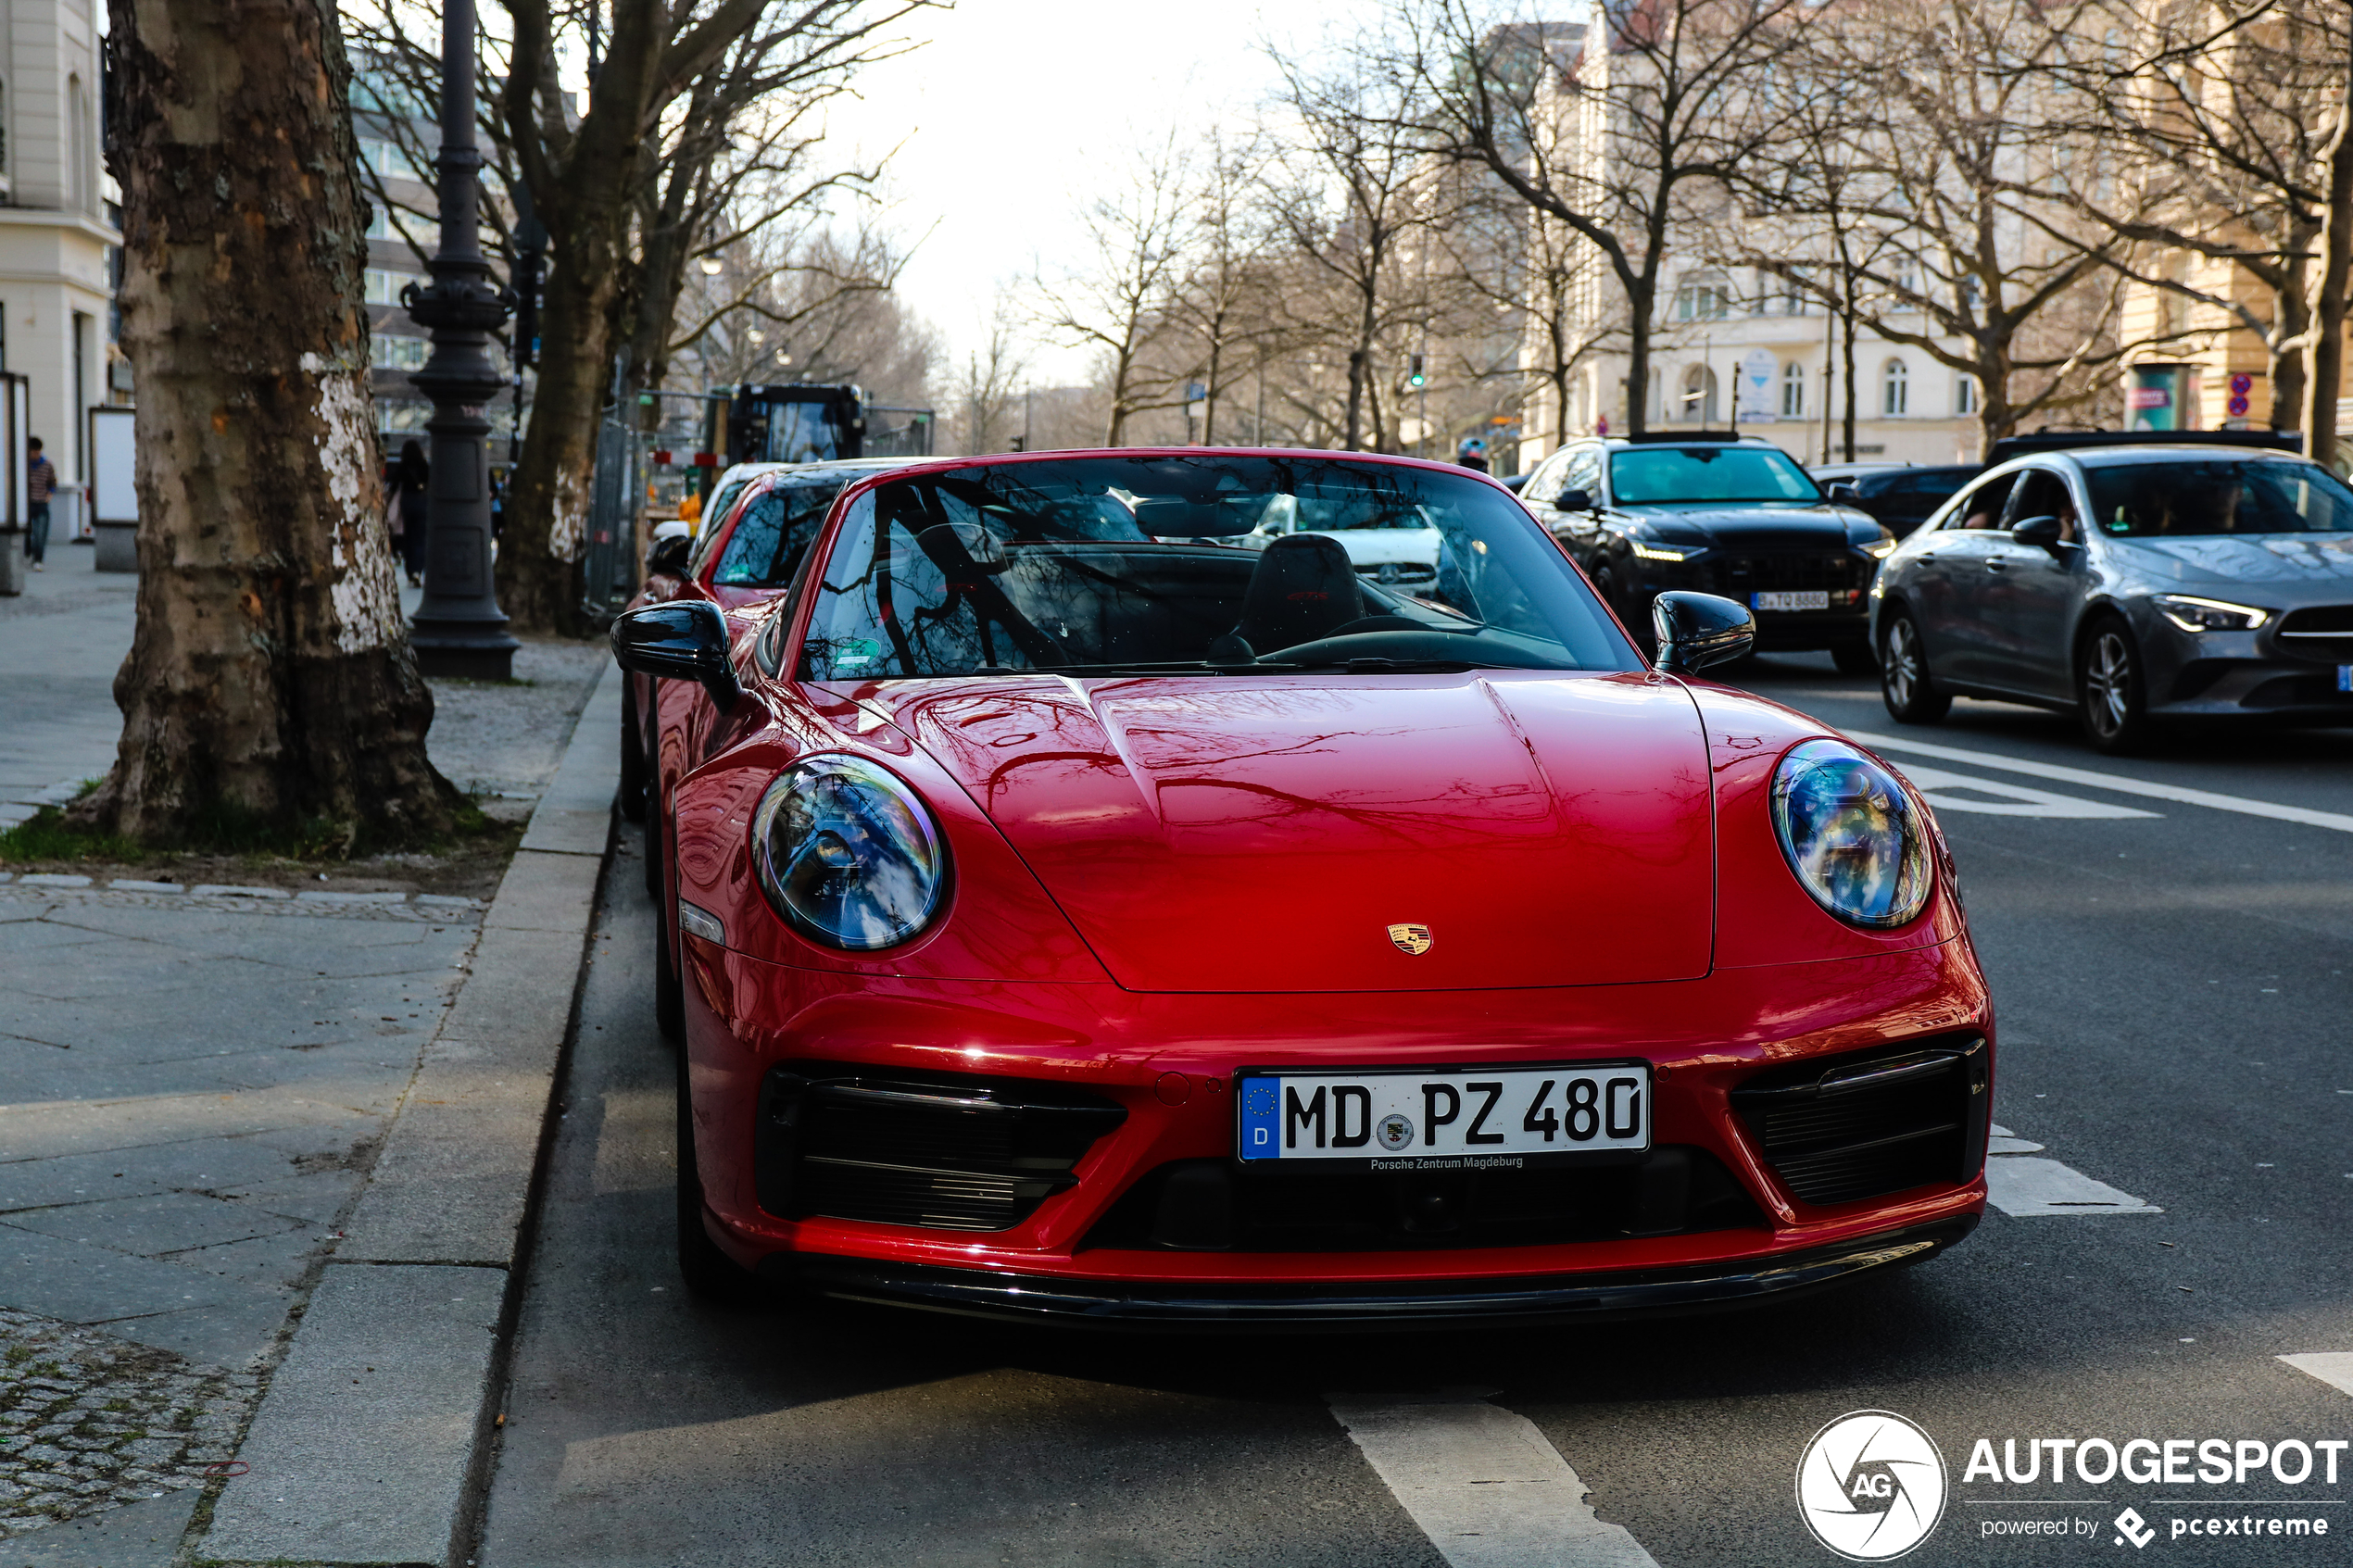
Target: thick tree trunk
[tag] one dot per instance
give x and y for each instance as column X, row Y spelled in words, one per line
column 1846, row 370
column 270, row 685
column 587, row 214
column 2326, row 361
column 548, row 512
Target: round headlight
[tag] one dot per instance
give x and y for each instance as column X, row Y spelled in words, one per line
column 847, row 853
column 1852, row 835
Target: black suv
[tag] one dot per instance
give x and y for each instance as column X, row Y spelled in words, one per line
column 1721, row 514
column 1899, row 495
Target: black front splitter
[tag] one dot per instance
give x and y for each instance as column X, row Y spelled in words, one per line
column 1324, row 1307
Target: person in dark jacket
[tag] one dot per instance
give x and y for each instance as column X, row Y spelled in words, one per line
column 414, row 472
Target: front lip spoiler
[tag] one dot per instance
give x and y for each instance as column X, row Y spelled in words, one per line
column 1114, row 1304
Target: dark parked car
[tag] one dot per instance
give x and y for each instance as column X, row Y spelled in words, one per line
column 1720, row 514
column 2131, row 584
column 1898, row 494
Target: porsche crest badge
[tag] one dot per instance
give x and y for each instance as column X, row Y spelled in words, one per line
column 1413, row 939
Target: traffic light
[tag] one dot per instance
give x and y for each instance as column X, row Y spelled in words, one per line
column 1413, row 376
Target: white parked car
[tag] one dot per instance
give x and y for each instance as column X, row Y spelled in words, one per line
column 1395, row 547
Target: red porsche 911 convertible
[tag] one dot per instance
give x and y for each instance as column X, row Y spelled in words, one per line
column 1093, row 890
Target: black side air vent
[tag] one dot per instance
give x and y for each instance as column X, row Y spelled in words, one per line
column 943, row 1151
column 1873, row 1123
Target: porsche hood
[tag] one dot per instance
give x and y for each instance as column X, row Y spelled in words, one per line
column 1266, row 834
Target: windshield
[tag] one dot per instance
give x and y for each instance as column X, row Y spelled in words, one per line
column 1194, row 565
column 1641, row 475
column 2218, row 496
column 778, row 525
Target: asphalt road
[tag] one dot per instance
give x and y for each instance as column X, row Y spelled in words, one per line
column 2172, row 989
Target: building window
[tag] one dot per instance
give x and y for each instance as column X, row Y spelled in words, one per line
column 77, row 150
column 1965, row 395
column 1793, row 391
column 1907, row 284
column 384, row 287
column 1704, row 299
column 1896, row 390
column 388, row 352
column 1698, row 400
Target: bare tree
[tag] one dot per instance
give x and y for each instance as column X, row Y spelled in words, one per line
column 269, row 684
column 1611, row 134
column 660, row 87
column 1219, row 308
column 1355, row 189
column 1940, row 182
column 2215, row 122
column 1116, row 303
column 985, row 400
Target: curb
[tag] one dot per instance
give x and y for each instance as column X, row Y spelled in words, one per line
column 371, row 1446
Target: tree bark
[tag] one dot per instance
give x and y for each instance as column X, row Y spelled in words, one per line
column 269, row 689
column 2324, row 363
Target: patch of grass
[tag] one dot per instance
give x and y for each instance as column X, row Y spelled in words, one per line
column 49, row 836
column 46, row 835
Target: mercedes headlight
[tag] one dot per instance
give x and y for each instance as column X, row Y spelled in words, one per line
column 847, row 853
column 2193, row 614
column 1851, row 834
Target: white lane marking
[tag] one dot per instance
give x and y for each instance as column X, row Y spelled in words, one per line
column 2013, row 800
column 2021, row 1186
column 2113, row 781
column 2001, row 1140
column 1482, row 1483
column 2332, row 1367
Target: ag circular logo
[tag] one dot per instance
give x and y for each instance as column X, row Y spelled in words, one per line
column 1396, row 1132
column 1870, row 1485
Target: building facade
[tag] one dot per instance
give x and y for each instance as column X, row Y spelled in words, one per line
column 60, row 243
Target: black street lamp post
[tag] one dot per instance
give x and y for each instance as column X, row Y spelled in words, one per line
column 459, row 628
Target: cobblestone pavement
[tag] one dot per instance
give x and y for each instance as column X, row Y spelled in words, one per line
column 88, row 1421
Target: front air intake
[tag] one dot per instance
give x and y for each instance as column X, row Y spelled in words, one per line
column 939, row 1151
column 1873, row 1123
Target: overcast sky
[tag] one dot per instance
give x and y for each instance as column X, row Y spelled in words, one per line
column 1018, row 113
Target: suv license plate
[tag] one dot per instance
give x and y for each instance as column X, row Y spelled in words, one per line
column 2345, row 677
column 1816, row 598
column 1455, row 1119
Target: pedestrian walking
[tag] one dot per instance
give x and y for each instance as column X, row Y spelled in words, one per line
column 414, row 472
column 40, row 484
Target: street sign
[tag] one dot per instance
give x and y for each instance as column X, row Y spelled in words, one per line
column 2241, row 384
column 1752, row 386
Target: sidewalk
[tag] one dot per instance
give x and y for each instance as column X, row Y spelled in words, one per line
column 196, row 1085
column 61, row 641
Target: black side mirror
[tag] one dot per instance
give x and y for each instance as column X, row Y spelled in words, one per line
column 667, row 557
column 679, row 641
column 1573, row 501
column 2038, row 531
column 1842, row 494
column 1697, row 630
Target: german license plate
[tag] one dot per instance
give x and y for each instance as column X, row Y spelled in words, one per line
column 2345, row 677
column 1813, row 599
column 1457, row 1119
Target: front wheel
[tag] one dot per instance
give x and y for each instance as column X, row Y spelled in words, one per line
column 1903, row 682
column 633, row 761
column 670, row 993
column 2109, row 689
column 709, row 1273
column 1637, row 626
column 1855, row 659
